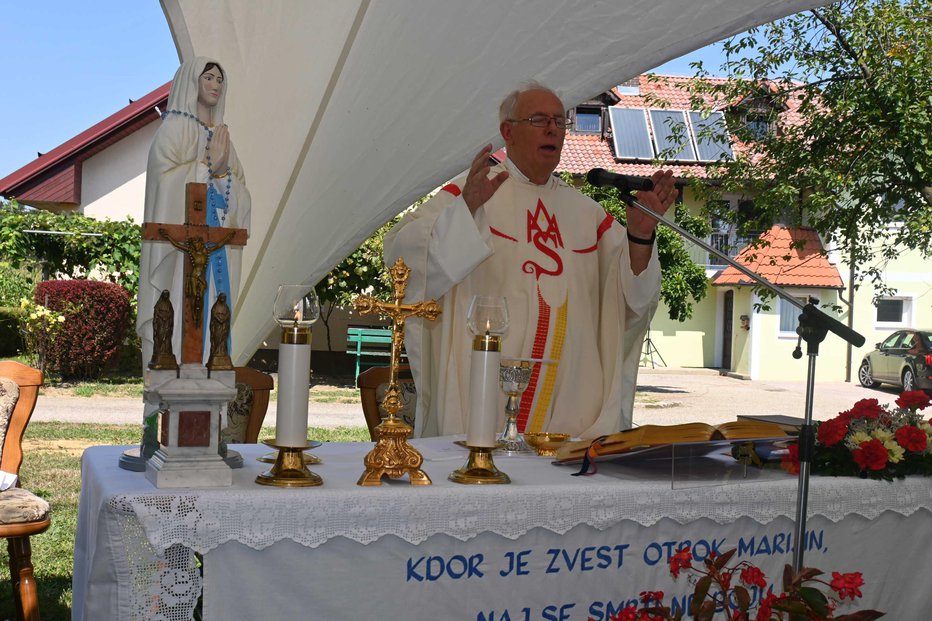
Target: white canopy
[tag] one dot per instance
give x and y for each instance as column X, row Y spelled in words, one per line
column 345, row 112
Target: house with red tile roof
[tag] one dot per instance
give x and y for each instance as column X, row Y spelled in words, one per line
column 737, row 327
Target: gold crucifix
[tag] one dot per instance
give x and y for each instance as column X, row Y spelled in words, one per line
column 392, row 455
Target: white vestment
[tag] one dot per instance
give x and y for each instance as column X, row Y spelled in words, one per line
column 178, row 156
column 562, row 263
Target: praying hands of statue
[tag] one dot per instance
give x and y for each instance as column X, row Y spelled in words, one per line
column 220, row 150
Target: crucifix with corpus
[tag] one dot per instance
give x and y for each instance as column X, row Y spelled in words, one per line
column 197, row 241
column 392, row 455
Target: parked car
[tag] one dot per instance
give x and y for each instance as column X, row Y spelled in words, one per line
column 904, row 358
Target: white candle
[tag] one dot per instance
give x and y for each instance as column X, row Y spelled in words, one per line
column 483, row 398
column 294, row 369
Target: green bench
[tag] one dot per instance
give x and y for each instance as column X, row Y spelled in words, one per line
column 367, row 343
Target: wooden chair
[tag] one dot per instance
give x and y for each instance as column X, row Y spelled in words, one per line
column 22, row 514
column 372, row 384
column 251, row 403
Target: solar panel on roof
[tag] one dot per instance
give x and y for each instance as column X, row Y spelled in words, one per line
column 629, row 133
column 670, row 131
column 711, row 136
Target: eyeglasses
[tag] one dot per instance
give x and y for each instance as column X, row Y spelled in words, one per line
column 542, row 120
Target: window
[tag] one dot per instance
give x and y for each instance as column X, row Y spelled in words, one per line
column 758, row 125
column 893, row 311
column 726, row 234
column 892, row 340
column 588, row 120
column 789, row 315
column 747, row 215
column 719, row 239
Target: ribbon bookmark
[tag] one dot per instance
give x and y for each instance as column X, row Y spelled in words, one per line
column 589, row 466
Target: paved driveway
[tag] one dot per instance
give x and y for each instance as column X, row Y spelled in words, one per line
column 664, row 397
column 672, row 396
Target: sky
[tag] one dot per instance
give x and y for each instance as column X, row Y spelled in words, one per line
column 68, row 65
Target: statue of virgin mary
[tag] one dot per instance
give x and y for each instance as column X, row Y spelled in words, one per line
column 191, row 145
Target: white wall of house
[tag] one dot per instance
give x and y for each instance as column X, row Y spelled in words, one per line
column 113, row 182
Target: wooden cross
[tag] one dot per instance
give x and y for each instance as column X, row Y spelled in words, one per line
column 197, row 241
column 392, row 455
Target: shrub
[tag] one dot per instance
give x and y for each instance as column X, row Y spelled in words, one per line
column 11, row 340
column 96, row 319
column 39, row 326
column 16, row 283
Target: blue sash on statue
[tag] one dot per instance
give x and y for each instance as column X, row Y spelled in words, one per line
column 217, row 265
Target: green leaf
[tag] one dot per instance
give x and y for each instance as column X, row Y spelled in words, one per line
column 815, row 599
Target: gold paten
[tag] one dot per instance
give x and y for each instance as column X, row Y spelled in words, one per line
column 393, row 456
column 289, row 469
column 479, row 469
column 546, row 443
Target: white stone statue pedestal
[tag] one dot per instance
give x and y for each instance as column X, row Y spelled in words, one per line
column 190, row 429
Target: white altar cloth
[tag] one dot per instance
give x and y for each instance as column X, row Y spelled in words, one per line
column 135, row 543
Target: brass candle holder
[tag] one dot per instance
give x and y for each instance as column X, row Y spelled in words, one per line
column 393, row 456
column 487, row 320
column 479, row 468
column 309, row 457
column 289, row 469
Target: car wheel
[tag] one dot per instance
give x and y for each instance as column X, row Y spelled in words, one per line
column 865, row 377
column 909, row 380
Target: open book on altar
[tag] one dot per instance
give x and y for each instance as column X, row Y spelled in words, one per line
column 631, row 441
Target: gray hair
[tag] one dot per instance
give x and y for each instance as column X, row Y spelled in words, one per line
column 510, row 102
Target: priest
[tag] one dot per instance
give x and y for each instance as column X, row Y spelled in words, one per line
column 580, row 288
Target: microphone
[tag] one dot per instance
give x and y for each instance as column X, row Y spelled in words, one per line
column 599, row 177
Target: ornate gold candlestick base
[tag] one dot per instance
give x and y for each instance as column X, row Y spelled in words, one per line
column 289, row 469
column 309, row 457
column 393, row 456
column 479, row 469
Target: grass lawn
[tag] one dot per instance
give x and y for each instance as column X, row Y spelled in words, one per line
column 52, row 469
column 325, row 391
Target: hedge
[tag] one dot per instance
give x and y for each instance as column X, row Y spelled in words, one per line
column 96, row 319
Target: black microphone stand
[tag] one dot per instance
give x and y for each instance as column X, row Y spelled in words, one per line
column 813, row 327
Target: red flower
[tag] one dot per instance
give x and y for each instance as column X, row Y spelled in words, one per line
column 628, row 613
column 866, row 408
column 833, row 431
column 871, row 455
column 681, row 560
column 725, row 579
column 752, row 576
column 846, row 416
column 912, row 438
column 790, row 461
column 913, row 400
column 847, row 585
column 765, row 610
column 651, row 596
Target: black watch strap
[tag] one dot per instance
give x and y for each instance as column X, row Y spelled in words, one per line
column 641, row 240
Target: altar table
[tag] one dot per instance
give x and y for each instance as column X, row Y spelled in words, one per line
column 549, row 546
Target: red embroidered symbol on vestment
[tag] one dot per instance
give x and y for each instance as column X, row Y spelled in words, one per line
column 543, row 232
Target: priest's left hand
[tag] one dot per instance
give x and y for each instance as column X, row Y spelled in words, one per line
column 659, row 200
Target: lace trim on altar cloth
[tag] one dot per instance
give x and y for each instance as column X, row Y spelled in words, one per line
column 166, row 586
column 204, row 520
